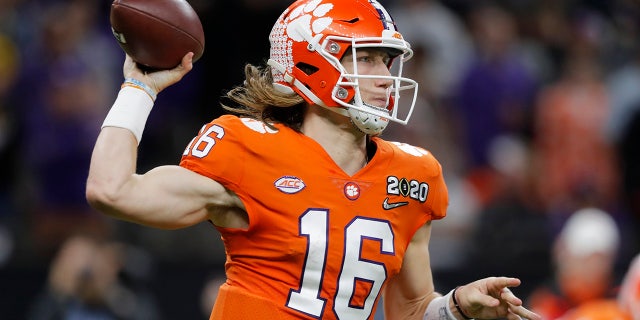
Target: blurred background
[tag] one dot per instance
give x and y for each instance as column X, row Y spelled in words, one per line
column 531, row 106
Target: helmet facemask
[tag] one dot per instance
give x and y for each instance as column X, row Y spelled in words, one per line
column 369, row 118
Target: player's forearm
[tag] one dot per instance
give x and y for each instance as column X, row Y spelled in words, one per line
column 407, row 309
column 113, row 163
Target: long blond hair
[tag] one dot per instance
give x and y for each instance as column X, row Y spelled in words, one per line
column 257, row 98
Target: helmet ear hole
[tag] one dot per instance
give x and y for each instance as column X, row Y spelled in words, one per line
column 307, row 68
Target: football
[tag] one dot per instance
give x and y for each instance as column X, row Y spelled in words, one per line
column 157, row 33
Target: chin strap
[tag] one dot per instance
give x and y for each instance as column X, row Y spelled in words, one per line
column 367, row 122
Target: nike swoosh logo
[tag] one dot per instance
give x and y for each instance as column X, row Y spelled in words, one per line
column 388, row 206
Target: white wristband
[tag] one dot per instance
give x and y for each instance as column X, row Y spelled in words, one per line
column 130, row 111
column 438, row 309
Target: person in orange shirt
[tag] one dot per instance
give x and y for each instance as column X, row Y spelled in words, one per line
column 584, row 256
column 624, row 306
column 320, row 217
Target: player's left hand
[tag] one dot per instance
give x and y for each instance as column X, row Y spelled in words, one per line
column 491, row 298
column 161, row 79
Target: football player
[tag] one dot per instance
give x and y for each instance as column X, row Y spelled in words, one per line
column 320, row 217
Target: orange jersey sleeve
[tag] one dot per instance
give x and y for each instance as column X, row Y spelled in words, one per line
column 320, row 243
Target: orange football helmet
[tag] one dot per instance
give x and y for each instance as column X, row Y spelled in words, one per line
column 309, row 39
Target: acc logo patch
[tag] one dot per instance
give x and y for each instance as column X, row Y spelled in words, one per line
column 289, row 184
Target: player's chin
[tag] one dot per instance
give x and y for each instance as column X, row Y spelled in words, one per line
column 380, row 103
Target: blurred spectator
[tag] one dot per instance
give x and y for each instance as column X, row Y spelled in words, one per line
column 584, row 255
column 495, row 92
column 67, row 74
column 625, row 306
column 511, row 235
column 89, row 279
column 576, row 164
